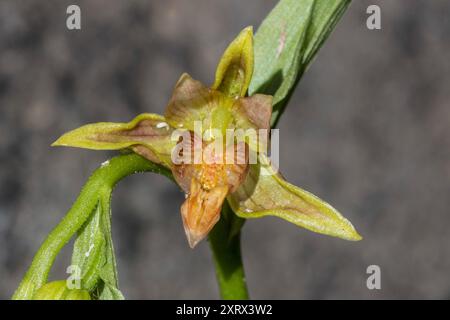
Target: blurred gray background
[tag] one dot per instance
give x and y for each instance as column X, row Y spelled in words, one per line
column 368, row 129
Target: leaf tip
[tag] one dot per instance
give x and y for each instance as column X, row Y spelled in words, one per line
column 248, row 32
column 355, row 237
column 349, row 233
column 69, row 139
column 59, row 142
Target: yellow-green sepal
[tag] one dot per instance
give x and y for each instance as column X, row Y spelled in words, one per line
column 235, row 68
column 147, row 134
column 58, row 290
column 192, row 105
column 266, row 193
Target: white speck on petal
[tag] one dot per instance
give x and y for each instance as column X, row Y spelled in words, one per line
column 248, row 210
column 162, row 125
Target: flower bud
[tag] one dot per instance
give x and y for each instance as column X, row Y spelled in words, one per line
column 58, row 290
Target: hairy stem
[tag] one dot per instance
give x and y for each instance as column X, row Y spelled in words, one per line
column 102, row 180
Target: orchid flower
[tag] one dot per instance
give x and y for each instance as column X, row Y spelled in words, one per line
column 252, row 190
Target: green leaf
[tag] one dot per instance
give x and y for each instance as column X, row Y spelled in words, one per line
column 287, row 41
column 266, row 193
column 93, row 252
column 89, row 250
column 110, row 292
column 108, row 272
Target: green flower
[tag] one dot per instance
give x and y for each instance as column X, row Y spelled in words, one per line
column 253, row 189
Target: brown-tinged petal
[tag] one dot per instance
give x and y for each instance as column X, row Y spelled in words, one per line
column 226, row 166
column 191, row 102
column 147, row 134
column 207, row 183
column 266, row 193
column 201, row 211
column 253, row 112
column 252, row 115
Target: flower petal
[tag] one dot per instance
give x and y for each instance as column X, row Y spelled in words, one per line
column 201, row 211
column 235, row 68
column 147, row 134
column 207, row 183
column 191, row 102
column 253, row 112
column 218, row 165
column 266, row 193
column 252, row 115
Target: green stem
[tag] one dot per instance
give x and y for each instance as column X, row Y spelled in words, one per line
column 104, row 178
column 224, row 238
column 225, row 244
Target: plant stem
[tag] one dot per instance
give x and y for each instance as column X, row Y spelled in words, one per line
column 224, row 238
column 103, row 179
column 225, row 244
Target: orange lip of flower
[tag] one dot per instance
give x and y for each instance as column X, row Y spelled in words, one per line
column 207, row 185
column 201, row 211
